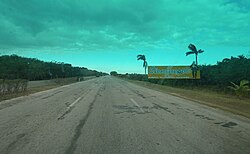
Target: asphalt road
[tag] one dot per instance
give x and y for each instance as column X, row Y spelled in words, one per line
column 109, row 115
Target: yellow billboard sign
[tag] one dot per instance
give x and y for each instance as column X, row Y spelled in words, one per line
column 173, row 72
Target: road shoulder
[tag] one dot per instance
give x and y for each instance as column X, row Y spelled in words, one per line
column 221, row 101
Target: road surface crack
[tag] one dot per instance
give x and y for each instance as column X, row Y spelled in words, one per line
column 156, row 106
column 78, row 129
column 52, row 95
column 138, row 93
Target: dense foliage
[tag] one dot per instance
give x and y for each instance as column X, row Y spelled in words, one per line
column 218, row 77
column 113, row 73
column 228, row 70
column 16, row 67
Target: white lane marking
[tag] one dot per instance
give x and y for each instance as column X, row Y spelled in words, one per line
column 136, row 104
column 72, row 104
column 78, row 99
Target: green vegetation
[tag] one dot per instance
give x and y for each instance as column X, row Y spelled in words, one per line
column 16, row 71
column 214, row 77
column 242, row 89
column 145, row 64
column 113, row 73
column 16, row 67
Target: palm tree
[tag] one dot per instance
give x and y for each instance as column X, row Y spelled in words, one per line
column 145, row 64
column 194, row 51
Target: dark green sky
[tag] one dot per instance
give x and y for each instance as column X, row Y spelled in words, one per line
column 59, row 28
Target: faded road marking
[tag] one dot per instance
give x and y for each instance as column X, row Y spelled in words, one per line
column 77, row 100
column 136, row 104
column 69, row 108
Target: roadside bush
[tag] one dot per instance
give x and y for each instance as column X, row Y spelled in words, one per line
column 139, row 77
column 13, row 86
column 1, row 86
column 63, row 81
column 80, row 79
column 240, row 90
column 23, row 85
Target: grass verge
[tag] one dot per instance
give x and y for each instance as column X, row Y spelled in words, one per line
column 217, row 100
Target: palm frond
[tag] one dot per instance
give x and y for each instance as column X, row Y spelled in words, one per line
column 190, row 52
column 141, row 57
column 235, row 85
column 242, row 89
column 244, row 83
column 192, row 47
column 232, row 88
column 200, row 51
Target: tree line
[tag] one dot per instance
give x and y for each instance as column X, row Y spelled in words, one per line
column 217, row 77
column 17, row 67
column 234, row 70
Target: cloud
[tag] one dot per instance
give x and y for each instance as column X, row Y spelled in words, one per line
column 122, row 24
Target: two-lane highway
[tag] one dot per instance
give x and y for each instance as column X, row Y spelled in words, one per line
column 110, row 115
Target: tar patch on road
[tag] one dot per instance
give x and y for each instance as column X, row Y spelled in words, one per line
column 127, row 109
column 135, row 109
column 229, row 124
column 140, row 94
column 174, row 104
column 226, row 125
column 203, row 117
